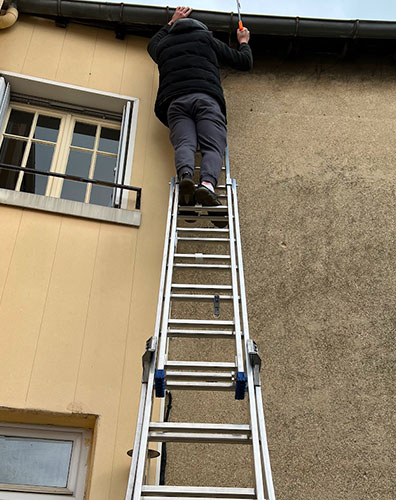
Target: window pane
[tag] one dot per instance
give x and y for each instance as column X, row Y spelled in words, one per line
column 32, row 461
column 19, row 123
column 109, row 139
column 84, row 135
column 104, row 171
column 11, row 152
column 47, row 128
column 78, row 164
column 40, row 158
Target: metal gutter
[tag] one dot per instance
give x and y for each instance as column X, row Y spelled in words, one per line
column 138, row 16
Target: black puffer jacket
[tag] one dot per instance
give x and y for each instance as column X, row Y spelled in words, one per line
column 188, row 58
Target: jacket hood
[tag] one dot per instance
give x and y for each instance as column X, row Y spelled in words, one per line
column 188, row 24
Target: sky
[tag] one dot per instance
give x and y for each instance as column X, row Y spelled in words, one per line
column 335, row 9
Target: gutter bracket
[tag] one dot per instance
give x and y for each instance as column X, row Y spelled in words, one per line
column 121, row 12
column 61, row 22
column 120, row 31
column 297, row 26
column 231, row 25
column 356, row 29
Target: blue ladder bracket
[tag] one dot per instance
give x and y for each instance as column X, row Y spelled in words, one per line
column 159, row 379
column 240, row 386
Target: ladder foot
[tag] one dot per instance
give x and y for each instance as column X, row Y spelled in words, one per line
column 159, row 383
column 240, row 386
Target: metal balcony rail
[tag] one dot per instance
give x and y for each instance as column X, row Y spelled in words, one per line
column 76, row 178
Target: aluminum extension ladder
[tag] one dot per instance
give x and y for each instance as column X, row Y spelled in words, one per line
column 161, row 374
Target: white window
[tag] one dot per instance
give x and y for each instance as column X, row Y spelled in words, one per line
column 43, row 462
column 77, row 147
column 34, row 138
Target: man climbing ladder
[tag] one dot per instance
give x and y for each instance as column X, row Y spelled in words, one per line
column 190, row 99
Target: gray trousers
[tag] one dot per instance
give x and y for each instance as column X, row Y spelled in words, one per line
column 197, row 119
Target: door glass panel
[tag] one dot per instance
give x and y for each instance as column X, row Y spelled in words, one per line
column 11, row 153
column 19, row 123
column 40, row 158
column 84, row 135
column 47, row 128
column 79, row 163
column 109, row 139
column 104, row 171
column 33, row 461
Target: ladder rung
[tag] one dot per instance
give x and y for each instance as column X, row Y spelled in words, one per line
column 204, row 376
column 194, row 432
column 200, row 386
column 191, row 437
column 211, row 240
column 200, row 427
column 189, row 498
column 197, row 334
column 190, row 296
column 196, row 365
column 201, row 256
column 201, row 208
column 200, row 322
column 203, row 216
column 202, row 266
column 201, row 230
column 192, row 286
column 198, row 167
column 198, row 491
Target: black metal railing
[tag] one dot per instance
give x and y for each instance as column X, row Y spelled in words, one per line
column 77, row 178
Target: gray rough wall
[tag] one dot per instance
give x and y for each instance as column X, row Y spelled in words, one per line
column 313, row 149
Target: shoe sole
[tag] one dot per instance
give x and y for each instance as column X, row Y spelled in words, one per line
column 206, row 198
column 186, row 191
column 186, row 196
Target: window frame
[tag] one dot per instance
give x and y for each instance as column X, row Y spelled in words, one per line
column 29, row 140
column 76, row 99
column 67, row 146
column 82, row 441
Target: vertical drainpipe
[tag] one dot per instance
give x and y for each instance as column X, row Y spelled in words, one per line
column 10, row 17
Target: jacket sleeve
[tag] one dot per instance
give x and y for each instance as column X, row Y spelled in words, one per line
column 153, row 43
column 241, row 59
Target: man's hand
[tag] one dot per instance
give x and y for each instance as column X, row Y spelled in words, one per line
column 243, row 36
column 180, row 13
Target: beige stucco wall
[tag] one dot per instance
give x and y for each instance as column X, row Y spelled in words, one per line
column 78, row 298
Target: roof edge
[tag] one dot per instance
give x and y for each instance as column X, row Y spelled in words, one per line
column 139, row 16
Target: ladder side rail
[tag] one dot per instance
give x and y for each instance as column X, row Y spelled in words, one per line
column 137, row 490
column 241, row 380
column 139, row 451
column 235, row 292
column 227, row 166
column 258, row 413
column 168, row 286
column 264, row 445
column 258, row 470
column 136, row 443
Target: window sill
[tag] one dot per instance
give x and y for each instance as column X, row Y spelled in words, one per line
column 72, row 208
